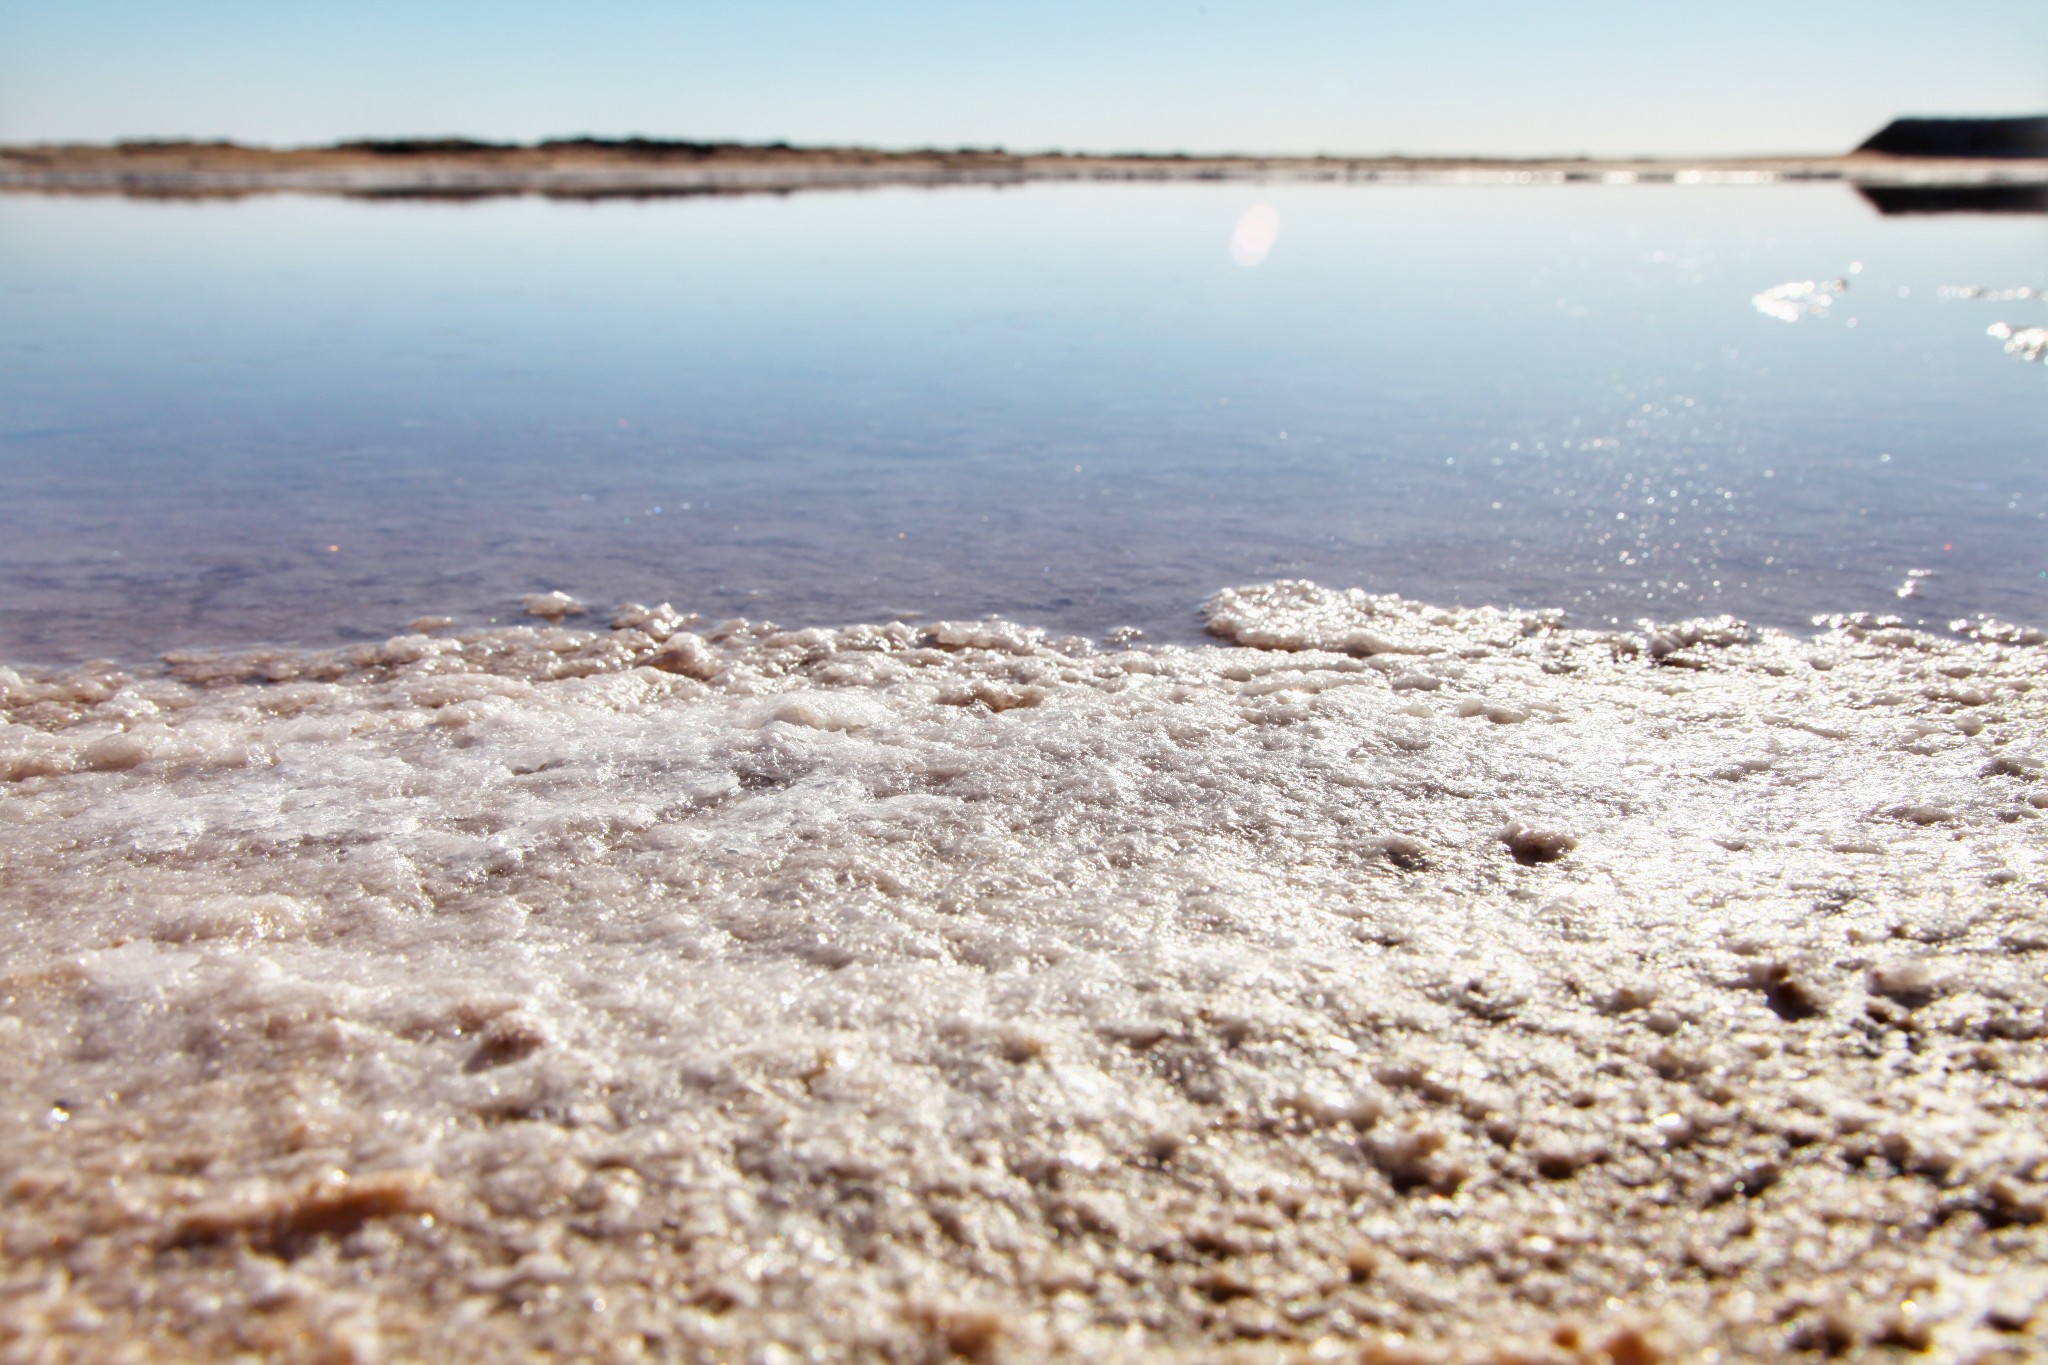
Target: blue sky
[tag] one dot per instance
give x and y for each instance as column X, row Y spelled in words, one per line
column 1593, row 76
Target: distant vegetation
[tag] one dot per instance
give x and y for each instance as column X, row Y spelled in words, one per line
column 1960, row 138
column 423, row 146
column 657, row 146
column 631, row 146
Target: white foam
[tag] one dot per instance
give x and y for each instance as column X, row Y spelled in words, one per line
column 899, row 989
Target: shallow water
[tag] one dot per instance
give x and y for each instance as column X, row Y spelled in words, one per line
column 310, row 420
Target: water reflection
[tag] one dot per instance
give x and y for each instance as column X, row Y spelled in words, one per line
column 1893, row 200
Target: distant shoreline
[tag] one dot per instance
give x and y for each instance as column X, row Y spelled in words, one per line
column 586, row 168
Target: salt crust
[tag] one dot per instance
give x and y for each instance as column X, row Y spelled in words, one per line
column 672, row 992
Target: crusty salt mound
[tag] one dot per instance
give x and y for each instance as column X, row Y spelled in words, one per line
column 1393, row 983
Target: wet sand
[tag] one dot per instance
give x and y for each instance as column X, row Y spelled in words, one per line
column 1379, row 983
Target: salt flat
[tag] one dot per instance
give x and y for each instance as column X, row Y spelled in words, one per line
column 1384, row 980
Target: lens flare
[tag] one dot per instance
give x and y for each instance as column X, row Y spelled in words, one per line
column 1257, row 229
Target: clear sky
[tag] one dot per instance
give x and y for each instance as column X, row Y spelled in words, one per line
column 1508, row 76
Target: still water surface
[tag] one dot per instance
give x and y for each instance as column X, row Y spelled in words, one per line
column 305, row 419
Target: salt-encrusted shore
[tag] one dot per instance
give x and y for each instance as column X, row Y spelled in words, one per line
column 1390, row 983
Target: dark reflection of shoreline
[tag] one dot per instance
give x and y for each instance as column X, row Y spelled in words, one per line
column 1891, row 201
column 1896, row 200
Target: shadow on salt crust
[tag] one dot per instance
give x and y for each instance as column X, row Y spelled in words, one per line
column 687, row 992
